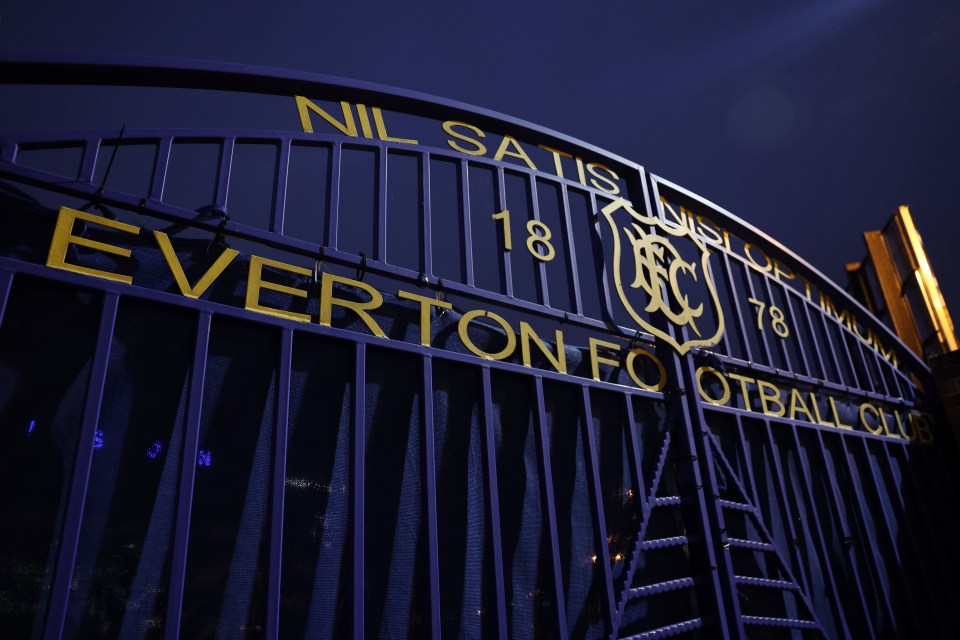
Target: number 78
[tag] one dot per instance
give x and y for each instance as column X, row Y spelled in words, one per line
column 777, row 320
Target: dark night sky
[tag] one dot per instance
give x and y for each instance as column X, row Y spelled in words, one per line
column 811, row 119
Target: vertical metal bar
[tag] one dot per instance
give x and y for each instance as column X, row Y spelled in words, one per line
column 699, row 503
column 747, row 454
column 782, row 342
column 811, row 505
column 788, row 293
column 878, row 367
column 842, row 373
column 381, row 191
column 493, row 503
column 719, row 457
column 224, row 169
column 430, row 480
column 636, row 462
column 161, row 161
column 899, row 380
column 573, row 276
column 596, row 496
column 506, row 282
column 333, row 197
column 546, row 491
column 833, row 498
column 467, row 265
column 541, row 265
column 6, row 282
column 924, row 523
column 804, row 306
column 597, row 239
column 358, row 471
column 88, row 163
column 67, row 553
column 869, row 384
column 783, row 499
column 278, row 209
column 852, row 363
column 279, row 483
column 891, row 536
column 831, row 350
column 426, row 218
column 763, row 334
column 188, row 469
column 738, row 307
column 873, row 557
column 713, row 518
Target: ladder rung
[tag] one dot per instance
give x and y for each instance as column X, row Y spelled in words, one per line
column 668, row 631
column 766, row 582
column 735, row 506
column 660, row 587
column 662, row 543
column 750, row 544
column 667, row 501
column 780, row 622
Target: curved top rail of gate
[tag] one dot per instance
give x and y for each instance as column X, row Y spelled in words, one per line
column 564, row 260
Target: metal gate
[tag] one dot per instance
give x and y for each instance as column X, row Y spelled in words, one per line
column 400, row 367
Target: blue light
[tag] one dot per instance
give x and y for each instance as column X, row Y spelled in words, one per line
column 33, row 425
column 204, row 459
column 154, row 449
column 98, row 440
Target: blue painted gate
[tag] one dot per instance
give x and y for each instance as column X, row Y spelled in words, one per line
column 371, row 370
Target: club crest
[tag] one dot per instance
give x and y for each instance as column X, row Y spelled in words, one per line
column 653, row 277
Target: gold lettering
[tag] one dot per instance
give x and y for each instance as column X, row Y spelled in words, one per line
column 798, row 405
column 770, row 393
column 912, row 434
column 780, row 270
column 364, row 121
column 255, row 282
column 816, row 410
column 613, row 188
column 63, row 237
column 836, row 415
column 827, row 305
column 714, row 236
column 661, row 372
column 678, row 218
column 327, row 302
column 747, row 252
column 888, row 355
column 382, row 128
column 596, row 359
column 465, row 320
column 580, row 174
column 722, row 400
column 556, row 158
column 865, row 408
column 348, row 127
column 886, row 425
column 527, row 333
column 743, row 380
column 425, row 304
column 921, row 425
column 480, row 149
column 510, row 141
column 176, row 268
column 806, row 287
column 856, row 329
